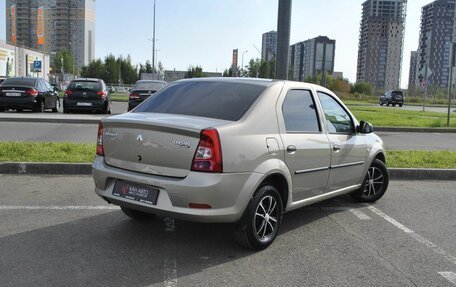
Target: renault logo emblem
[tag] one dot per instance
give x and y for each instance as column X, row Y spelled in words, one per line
column 140, row 139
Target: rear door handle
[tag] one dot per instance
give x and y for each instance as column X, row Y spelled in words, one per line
column 291, row 149
column 336, row 147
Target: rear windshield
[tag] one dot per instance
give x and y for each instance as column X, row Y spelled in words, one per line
column 152, row 86
column 84, row 85
column 218, row 100
column 397, row 93
column 19, row 82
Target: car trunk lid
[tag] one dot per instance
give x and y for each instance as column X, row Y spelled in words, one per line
column 158, row 144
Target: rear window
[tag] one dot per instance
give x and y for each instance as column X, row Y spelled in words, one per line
column 397, row 93
column 218, row 100
column 19, row 82
column 153, row 86
column 85, row 85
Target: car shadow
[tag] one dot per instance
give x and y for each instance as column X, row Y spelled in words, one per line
column 113, row 250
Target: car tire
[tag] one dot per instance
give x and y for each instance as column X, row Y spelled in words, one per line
column 41, row 108
column 394, row 105
column 400, row 105
column 374, row 184
column 57, row 105
column 261, row 220
column 380, row 103
column 136, row 214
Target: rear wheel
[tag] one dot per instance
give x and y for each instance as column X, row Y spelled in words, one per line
column 260, row 223
column 57, row 105
column 394, row 105
column 137, row 215
column 40, row 108
column 375, row 183
column 400, row 105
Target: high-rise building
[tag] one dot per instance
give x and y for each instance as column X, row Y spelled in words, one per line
column 311, row 57
column 413, row 80
column 381, row 43
column 269, row 46
column 436, row 35
column 52, row 25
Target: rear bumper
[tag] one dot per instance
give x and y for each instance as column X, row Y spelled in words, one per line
column 228, row 194
column 76, row 104
column 18, row 102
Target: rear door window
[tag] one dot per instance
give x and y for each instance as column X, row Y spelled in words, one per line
column 218, row 100
column 299, row 112
column 19, row 82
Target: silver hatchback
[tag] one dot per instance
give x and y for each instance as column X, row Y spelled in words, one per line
column 237, row 150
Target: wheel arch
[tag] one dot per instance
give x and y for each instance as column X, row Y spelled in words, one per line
column 280, row 182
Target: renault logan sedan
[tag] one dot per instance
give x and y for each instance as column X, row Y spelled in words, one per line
column 237, row 150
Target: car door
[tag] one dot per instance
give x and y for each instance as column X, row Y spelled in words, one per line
column 50, row 95
column 348, row 149
column 307, row 149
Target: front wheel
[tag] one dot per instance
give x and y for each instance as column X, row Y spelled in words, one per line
column 260, row 223
column 57, row 105
column 375, row 183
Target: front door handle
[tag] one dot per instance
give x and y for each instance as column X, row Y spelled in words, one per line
column 291, row 149
column 336, row 148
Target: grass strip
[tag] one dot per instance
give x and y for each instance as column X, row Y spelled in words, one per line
column 46, row 152
column 401, row 118
column 80, row 153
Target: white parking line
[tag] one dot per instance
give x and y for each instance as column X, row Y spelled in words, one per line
column 356, row 212
column 450, row 276
column 68, row 207
column 414, row 235
column 170, row 264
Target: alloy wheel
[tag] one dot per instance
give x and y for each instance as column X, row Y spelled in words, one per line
column 266, row 218
column 374, row 181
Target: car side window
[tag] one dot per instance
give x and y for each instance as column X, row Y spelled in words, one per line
column 337, row 118
column 41, row 86
column 299, row 112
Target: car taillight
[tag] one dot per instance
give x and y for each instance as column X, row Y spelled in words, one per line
column 134, row 96
column 68, row 92
column 208, row 156
column 31, row 92
column 100, row 150
column 102, row 94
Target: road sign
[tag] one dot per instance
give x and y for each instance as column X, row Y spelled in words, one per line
column 37, row 66
column 423, row 73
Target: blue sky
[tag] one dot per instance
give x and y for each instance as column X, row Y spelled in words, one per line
column 204, row 32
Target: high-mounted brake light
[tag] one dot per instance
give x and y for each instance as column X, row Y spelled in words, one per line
column 208, row 155
column 100, row 150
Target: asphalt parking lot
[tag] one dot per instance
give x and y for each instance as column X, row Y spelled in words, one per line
column 54, row 231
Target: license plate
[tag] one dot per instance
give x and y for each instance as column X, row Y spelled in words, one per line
column 84, row 104
column 13, row 94
column 133, row 191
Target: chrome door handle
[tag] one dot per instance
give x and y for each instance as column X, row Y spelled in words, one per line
column 336, row 147
column 291, row 149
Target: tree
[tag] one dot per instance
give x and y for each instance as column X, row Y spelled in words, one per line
column 363, row 88
column 94, row 70
column 111, row 70
column 253, row 69
column 67, row 61
column 195, row 72
column 148, row 67
column 161, row 70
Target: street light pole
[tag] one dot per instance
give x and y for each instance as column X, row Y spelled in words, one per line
column 153, row 44
column 242, row 69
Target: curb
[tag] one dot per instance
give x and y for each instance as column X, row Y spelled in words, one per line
column 86, row 169
column 97, row 120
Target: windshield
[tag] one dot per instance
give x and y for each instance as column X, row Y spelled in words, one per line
column 85, row 85
column 152, row 86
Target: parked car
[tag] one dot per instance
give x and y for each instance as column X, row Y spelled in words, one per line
column 1, row 80
column 142, row 90
column 236, row 150
column 392, row 98
column 87, row 95
column 28, row 93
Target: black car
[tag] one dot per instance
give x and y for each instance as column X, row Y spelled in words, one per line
column 28, row 93
column 142, row 90
column 392, row 98
column 1, row 80
column 87, row 95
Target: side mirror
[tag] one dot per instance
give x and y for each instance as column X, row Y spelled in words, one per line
column 364, row 128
